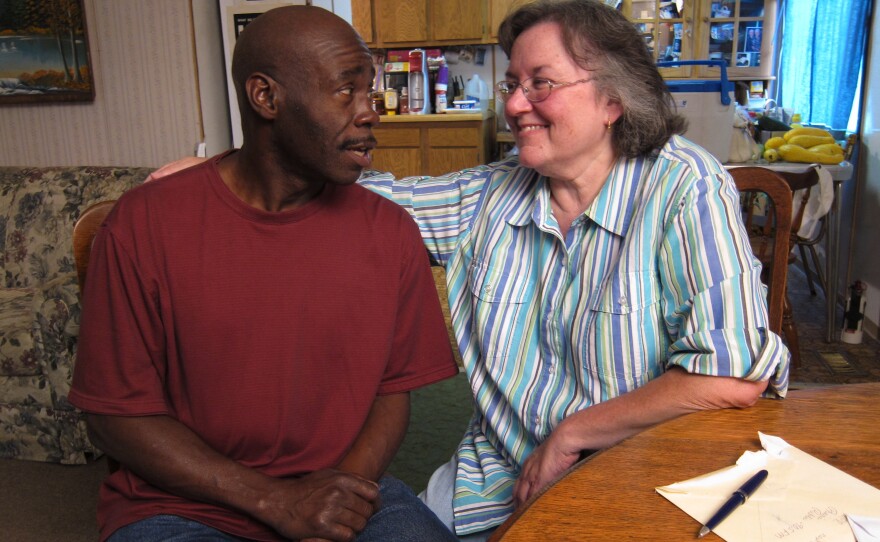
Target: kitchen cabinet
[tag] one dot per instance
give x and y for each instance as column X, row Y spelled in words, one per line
column 410, row 145
column 419, row 22
column 457, row 20
column 362, row 19
column 667, row 28
column 739, row 32
column 742, row 34
column 401, row 22
column 498, row 10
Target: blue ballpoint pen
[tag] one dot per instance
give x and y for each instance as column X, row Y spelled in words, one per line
column 736, row 500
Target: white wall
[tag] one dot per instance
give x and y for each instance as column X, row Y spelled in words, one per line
column 865, row 260
column 146, row 110
column 211, row 77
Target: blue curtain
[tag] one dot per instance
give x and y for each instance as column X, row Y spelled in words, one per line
column 823, row 46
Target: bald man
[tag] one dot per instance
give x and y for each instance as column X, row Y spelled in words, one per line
column 252, row 325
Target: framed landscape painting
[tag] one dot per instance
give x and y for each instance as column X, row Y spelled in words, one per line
column 44, row 52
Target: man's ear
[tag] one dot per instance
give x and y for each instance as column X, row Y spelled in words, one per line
column 261, row 92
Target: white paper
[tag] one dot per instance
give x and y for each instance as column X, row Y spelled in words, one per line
column 803, row 498
column 865, row 528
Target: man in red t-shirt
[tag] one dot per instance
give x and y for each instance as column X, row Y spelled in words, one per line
column 252, row 326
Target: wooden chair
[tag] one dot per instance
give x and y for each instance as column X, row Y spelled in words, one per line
column 802, row 185
column 84, row 232
column 806, row 182
column 770, row 240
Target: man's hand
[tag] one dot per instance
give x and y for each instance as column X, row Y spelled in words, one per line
column 328, row 504
column 325, row 504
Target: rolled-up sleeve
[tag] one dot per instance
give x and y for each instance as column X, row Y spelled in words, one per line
column 716, row 310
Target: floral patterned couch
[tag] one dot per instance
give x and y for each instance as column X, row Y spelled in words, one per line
column 39, row 305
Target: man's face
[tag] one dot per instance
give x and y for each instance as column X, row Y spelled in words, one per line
column 324, row 130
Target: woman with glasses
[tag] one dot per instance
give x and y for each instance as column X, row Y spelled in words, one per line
column 601, row 282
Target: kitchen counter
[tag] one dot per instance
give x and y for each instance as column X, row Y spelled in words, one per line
column 411, row 145
column 477, row 115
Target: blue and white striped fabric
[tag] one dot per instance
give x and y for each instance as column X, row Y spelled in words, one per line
column 658, row 271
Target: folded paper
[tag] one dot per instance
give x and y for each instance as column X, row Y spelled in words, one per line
column 803, row 499
column 865, row 528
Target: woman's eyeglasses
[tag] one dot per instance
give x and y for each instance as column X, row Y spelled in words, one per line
column 534, row 89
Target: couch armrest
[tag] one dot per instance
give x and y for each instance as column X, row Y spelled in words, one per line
column 55, row 329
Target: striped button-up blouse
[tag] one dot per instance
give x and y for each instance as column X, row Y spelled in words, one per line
column 657, row 272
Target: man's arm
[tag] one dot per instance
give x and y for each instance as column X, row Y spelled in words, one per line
column 669, row 396
column 327, row 503
column 380, row 438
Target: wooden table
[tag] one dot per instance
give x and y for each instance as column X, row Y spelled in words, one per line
column 611, row 496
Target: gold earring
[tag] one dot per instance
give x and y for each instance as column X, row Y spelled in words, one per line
column 608, row 125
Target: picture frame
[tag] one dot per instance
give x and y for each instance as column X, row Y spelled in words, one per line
column 44, row 54
column 753, row 39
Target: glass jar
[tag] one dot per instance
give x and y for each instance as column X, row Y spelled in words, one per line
column 379, row 103
column 403, row 101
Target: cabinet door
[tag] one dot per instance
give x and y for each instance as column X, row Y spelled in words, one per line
column 405, row 162
column 453, row 148
column 456, row 20
column 398, row 150
column 498, row 10
column 362, row 19
column 442, row 161
column 741, row 33
column 667, row 30
column 401, row 21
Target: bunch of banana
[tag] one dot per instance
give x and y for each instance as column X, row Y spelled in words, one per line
column 808, row 145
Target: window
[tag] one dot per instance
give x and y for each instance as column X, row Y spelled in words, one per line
column 822, row 42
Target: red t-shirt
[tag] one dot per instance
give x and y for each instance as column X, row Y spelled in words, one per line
column 268, row 334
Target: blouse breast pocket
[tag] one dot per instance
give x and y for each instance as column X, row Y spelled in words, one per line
column 628, row 336
column 501, row 305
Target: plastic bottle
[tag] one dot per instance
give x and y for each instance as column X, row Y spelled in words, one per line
column 391, row 101
column 477, row 90
column 440, row 89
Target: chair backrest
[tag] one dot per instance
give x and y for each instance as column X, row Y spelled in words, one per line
column 776, row 233
column 801, row 185
column 84, row 232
